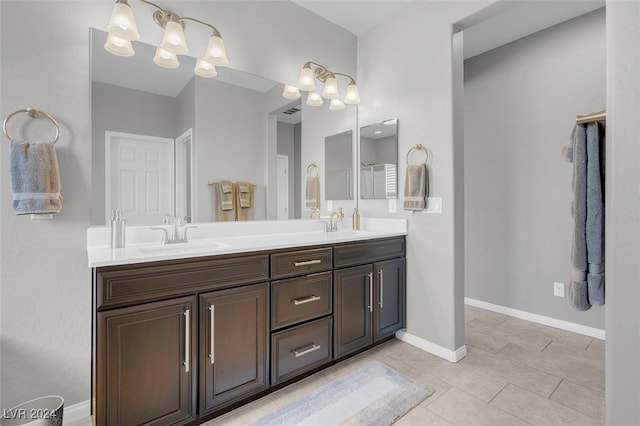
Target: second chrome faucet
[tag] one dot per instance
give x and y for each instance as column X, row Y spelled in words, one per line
column 179, row 234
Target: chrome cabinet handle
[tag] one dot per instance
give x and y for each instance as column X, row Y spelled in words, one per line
column 304, row 300
column 370, row 275
column 302, row 351
column 307, row 262
column 381, row 278
column 187, row 339
column 212, row 325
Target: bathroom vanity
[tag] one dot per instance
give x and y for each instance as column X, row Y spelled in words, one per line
column 182, row 337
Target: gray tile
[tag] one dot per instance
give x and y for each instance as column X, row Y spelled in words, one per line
column 476, row 336
column 597, row 348
column 538, row 410
column 421, row 416
column 476, row 382
column 573, row 366
column 581, row 398
column 81, row 422
column 531, row 330
column 512, row 371
column 500, row 335
column 245, row 414
column 592, row 352
column 461, row 408
column 482, row 315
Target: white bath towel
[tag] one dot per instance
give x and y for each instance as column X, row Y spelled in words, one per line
column 35, row 177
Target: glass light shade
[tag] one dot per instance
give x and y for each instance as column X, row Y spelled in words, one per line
column 314, row 99
column 336, row 105
column 291, row 92
column 173, row 40
column 306, row 81
column 330, row 90
column 122, row 23
column 216, row 53
column 205, row 69
column 165, row 59
column 118, row 46
column 353, row 96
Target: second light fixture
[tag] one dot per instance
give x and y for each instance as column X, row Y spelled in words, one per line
column 306, row 82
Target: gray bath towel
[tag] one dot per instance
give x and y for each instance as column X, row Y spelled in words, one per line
column 586, row 286
column 35, row 177
column 595, row 215
column 416, row 187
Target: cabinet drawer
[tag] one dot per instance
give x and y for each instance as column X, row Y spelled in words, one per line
column 300, row 262
column 123, row 285
column 299, row 299
column 300, row 349
column 368, row 252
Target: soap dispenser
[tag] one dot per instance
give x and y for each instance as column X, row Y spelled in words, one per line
column 118, row 226
column 356, row 220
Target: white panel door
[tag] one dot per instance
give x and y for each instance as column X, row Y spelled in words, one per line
column 139, row 176
column 282, row 184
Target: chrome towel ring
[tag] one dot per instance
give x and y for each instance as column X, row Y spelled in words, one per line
column 417, row 147
column 33, row 113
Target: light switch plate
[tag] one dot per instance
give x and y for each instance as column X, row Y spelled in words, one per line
column 558, row 289
column 393, row 205
column 434, row 205
column 330, row 205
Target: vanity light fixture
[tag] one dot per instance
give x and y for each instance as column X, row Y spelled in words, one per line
column 311, row 72
column 123, row 30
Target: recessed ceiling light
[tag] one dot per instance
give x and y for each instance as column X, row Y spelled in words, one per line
column 377, row 132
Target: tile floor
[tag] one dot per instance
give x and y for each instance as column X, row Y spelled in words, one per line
column 516, row 373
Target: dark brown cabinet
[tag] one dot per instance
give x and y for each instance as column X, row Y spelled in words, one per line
column 369, row 299
column 182, row 341
column 233, row 345
column 147, row 364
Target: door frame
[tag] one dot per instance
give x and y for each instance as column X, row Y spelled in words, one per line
column 185, row 139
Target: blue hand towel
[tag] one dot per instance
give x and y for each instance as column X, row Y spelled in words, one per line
column 35, row 177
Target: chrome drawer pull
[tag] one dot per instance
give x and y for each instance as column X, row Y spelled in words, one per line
column 370, row 307
column 213, row 336
column 302, row 351
column 307, row 262
column 187, row 339
column 307, row 299
column 381, row 278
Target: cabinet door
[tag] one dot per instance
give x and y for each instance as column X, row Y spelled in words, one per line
column 233, row 345
column 353, row 302
column 146, row 365
column 389, row 296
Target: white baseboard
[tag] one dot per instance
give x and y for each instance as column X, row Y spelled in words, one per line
column 540, row 319
column 77, row 411
column 437, row 350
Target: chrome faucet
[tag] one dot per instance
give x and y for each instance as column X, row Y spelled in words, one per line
column 333, row 225
column 179, row 230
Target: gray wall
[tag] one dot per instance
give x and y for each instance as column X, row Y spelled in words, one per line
column 118, row 109
column 623, row 214
column 339, row 163
column 229, row 142
column 45, row 284
column 520, row 101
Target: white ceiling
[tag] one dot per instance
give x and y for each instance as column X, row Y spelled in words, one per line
column 518, row 18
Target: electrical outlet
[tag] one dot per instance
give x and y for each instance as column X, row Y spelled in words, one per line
column 392, row 205
column 558, row 289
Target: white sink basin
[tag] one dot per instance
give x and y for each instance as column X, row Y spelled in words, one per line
column 184, row 248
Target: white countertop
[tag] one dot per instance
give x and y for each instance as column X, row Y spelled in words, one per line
column 213, row 239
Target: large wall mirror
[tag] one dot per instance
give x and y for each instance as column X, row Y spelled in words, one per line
column 236, row 126
column 379, row 160
column 338, row 157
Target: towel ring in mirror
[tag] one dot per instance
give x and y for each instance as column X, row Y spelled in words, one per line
column 312, row 166
column 417, row 147
column 33, row 113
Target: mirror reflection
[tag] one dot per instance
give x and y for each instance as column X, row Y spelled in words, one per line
column 379, row 160
column 160, row 135
column 339, row 166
